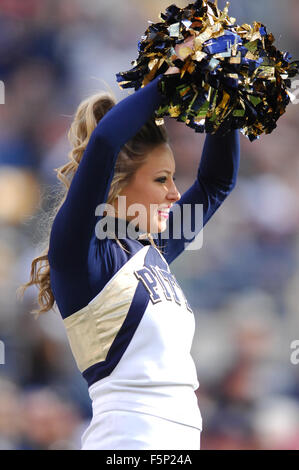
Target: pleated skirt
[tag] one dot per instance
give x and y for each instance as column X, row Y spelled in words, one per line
column 130, row 430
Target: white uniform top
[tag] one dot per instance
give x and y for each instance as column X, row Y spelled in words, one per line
column 138, row 336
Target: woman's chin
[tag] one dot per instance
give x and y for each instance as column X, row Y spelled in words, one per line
column 157, row 226
column 161, row 227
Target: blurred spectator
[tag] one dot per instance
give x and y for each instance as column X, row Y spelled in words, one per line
column 49, row 423
column 276, row 423
column 10, row 416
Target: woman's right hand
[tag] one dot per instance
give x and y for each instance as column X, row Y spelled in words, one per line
column 182, row 53
column 172, row 70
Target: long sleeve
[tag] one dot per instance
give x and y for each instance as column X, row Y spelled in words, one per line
column 74, row 223
column 216, row 178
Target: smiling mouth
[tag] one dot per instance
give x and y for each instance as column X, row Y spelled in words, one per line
column 164, row 214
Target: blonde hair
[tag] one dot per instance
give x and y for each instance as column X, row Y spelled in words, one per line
column 133, row 154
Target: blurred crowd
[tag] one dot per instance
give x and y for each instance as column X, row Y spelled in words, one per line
column 242, row 284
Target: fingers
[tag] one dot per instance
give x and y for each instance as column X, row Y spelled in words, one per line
column 189, row 42
column 172, row 70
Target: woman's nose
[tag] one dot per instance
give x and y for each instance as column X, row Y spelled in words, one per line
column 173, row 193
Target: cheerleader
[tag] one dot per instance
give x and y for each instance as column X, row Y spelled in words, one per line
column 129, row 325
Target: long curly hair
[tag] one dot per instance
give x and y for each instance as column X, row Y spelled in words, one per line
column 133, row 154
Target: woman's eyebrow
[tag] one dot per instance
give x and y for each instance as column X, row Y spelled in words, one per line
column 167, row 171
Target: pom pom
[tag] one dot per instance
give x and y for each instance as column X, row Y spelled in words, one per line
column 231, row 78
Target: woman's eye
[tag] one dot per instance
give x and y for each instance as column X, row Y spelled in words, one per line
column 163, row 179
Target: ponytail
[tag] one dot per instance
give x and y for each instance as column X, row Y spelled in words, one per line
column 131, row 157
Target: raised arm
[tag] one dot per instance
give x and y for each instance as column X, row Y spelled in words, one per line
column 75, row 221
column 216, row 178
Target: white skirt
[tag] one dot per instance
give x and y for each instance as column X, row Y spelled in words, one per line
column 130, row 430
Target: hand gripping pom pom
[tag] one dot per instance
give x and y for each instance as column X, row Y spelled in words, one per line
column 232, row 78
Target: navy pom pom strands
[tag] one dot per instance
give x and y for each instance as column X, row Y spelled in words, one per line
column 228, row 76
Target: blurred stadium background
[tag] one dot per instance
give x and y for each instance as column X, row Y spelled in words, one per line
column 242, row 285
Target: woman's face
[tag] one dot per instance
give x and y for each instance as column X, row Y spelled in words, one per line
column 152, row 187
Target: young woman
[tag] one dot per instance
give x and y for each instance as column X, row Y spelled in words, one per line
column 129, row 324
